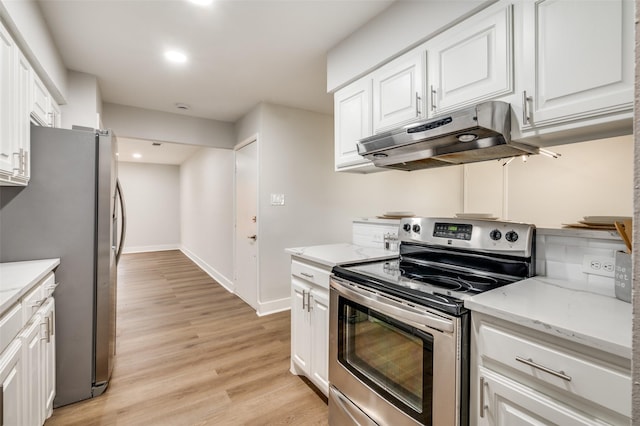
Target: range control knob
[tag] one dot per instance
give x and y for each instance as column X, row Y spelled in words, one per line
column 511, row 236
column 495, row 235
column 406, row 227
column 416, row 228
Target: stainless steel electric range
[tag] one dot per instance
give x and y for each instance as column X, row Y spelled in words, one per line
column 399, row 332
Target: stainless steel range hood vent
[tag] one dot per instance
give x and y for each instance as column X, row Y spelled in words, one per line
column 478, row 133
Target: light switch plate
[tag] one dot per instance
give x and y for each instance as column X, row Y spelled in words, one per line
column 277, row 199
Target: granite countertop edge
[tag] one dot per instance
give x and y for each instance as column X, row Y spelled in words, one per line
column 340, row 254
column 553, row 307
column 17, row 278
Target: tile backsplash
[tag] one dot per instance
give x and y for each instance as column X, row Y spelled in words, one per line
column 560, row 254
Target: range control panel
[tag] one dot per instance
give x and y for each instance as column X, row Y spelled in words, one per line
column 474, row 234
column 452, row 230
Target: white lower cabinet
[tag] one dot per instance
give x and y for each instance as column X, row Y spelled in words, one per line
column 310, row 323
column 27, row 363
column 32, row 357
column 48, row 314
column 521, row 376
column 12, row 384
column 509, row 403
column 319, row 307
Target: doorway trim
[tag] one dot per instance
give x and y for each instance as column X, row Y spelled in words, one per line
column 251, row 139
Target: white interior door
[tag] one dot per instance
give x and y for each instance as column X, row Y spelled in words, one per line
column 246, row 265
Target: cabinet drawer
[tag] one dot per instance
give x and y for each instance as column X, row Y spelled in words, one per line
column 32, row 301
column 310, row 273
column 10, row 324
column 559, row 368
column 48, row 285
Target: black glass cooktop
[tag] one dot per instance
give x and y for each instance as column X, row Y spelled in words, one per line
column 436, row 286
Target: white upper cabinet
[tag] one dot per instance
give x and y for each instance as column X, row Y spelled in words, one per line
column 352, row 120
column 22, row 129
column 472, row 61
column 398, row 96
column 41, row 107
column 7, row 56
column 15, row 86
column 578, row 60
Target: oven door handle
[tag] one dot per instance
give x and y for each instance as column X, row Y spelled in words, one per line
column 422, row 320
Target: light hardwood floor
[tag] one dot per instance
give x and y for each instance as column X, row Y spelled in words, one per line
column 191, row 353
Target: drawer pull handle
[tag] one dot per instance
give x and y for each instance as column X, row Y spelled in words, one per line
column 304, row 274
column 37, row 303
column 483, row 406
column 530, row 363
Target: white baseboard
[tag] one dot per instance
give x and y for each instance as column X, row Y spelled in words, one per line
column 273, row 306
column 221, row 279
column 144, row 249
column 264, row 308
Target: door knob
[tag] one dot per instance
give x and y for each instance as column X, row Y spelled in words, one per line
column 253, row 237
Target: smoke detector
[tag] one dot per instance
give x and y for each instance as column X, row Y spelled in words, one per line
column 183, row 107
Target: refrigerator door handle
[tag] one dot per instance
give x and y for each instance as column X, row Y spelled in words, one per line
column 123, row 227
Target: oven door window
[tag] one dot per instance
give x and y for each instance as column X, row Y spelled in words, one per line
column 392, row 358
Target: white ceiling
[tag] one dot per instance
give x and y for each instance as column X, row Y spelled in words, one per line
column 241, row 52
column 164, row 153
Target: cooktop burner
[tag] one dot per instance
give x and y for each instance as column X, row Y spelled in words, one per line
column 444, row 261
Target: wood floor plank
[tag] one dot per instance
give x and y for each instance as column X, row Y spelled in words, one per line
column 189, row 353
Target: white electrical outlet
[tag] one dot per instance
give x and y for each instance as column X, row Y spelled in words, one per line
column 598, row 265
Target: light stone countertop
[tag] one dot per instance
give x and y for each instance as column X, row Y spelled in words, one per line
column 17, row 278
column 548, row 306
column 341, row 254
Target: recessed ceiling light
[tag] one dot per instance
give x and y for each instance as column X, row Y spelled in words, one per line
column 202, row 2
column 137, row 155
column 175, row 56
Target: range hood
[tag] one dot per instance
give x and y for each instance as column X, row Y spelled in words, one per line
column 478, row 133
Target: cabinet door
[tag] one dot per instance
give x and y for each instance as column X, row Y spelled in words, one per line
column 505, row 402
column 11, row 380
column 579, row 60
column 6, row 102
column 398, row 91
column 48, row 354
column 319, row 305
column 300, row 325
column 32, row 357
column 41, row 104
column 55, row 115
column 352, row 119
column 472, row 61
column 22, row 118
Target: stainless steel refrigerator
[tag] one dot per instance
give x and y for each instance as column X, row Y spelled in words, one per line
column 72, row 209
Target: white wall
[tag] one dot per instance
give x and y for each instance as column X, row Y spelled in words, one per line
column 83, row 101
column 589, row 179
column 26, row 23
column 152, row 198
column 167, row 127
column 403, row 25
column 296, row 159
column 206, row 210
